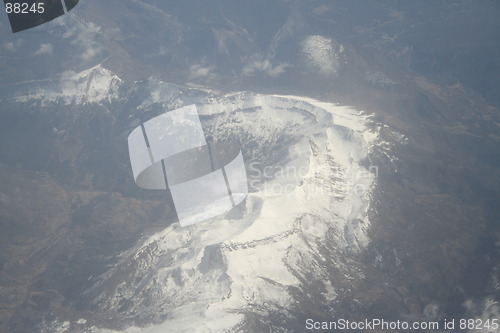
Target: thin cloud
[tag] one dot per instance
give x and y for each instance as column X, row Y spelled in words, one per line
column 198, row 71
column 45, row 48
column 323, row 53
column 86, row 39
column 264, row 66
column 13, row 46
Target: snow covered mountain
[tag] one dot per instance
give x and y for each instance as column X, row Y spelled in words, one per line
column 287, row 248
column 389, row 213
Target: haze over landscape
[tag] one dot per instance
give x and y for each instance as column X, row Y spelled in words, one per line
column 370, row 135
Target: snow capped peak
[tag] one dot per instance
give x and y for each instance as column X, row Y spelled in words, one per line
column 305, row 216
column 94, row 85
column 308, row 203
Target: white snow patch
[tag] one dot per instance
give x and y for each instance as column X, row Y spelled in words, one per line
column 93, row 85
column 323, row 53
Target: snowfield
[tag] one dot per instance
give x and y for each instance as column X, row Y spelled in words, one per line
column 307, row 211
column 204, row 277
